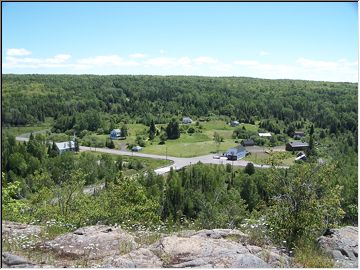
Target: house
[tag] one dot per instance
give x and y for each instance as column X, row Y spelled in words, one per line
column 296, row 146
column 186, row 120
column 234, row 123
column 136, row 148
column 299, row 134
column 236, row 153
column 247, row 142
column 65, row 146
column 266, row 134
column 115, row 134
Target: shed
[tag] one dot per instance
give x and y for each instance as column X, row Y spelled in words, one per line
column 266, row 134
column 236, row 153
column 186, row 120
column 299, row 134
column 296, row 146
column 247, row 142
column 234, row 123
column 115, row 134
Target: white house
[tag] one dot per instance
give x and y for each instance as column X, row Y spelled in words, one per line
column 65, row 146
column 266, row 134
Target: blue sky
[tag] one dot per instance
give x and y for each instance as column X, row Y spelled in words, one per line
column 312, row 41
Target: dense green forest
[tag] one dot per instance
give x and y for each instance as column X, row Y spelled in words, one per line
column 91, row 102
column 285, row 204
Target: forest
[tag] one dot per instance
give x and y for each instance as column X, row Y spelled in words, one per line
column 296, row 203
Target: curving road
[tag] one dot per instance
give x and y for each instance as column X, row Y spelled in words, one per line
column 178, row 162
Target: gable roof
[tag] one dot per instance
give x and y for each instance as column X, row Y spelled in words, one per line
column 65, row 145
column 116, row 130
column 265, row 134
column 298, row 144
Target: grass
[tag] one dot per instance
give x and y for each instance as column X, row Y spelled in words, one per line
column 16, row 131
column 310, row 256
column 174, row 148
column 284, row 158
column 148, row 163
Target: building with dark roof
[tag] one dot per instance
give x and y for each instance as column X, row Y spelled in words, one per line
column 299, row 134
column 236, row 153
column 247, row 142
column 296, row 146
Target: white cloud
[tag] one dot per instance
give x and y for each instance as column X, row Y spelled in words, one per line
column 137, row 55
column 105, row 60
column 27, row 62
column 17, row 52
column 205, row 60
column 324, row 65
column 263, row 53
column 246, row 62
column 161, row 61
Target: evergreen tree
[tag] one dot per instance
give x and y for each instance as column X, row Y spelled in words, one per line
column 124, row 131
column 249, row 169
column 152, row 130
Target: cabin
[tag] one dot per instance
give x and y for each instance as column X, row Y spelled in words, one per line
column 296, row 146
column 115, row 134
column 136, row 148
column 298, row 135
column 266, row 134
column 186, row 120
column 247, row 142
column 234, row 123
column 65, row 146
column 236, row 153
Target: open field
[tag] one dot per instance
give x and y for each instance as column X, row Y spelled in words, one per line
column 282, row 158
column 16, row 131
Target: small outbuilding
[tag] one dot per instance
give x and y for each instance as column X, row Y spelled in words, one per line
column 234, row 123
column 136, row 148
column 299, row 134
column 236, row 153
column 296, row 146
column 115, row 134
column 247, row 142
column 65, row 146
column 265, row 134
column 186, row 120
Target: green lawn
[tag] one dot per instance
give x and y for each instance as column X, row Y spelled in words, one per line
column 16, row 131
column 174, row 148
column 284, row 158
column 148, row 163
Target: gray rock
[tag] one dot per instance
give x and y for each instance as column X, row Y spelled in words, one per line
column 93, row 242
column 342, row 245
column 13, row 261
column 140, row 258
column 13, row 229
column 211, row 248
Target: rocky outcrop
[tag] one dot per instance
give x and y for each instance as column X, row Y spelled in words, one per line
column 15, row 229
column 13, row 261
column 342, row 245
column 93, row 242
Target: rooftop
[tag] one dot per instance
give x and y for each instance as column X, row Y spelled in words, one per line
column 298, row 144
column 65, row 145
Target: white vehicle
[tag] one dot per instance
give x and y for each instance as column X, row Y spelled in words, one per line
column 216, row 157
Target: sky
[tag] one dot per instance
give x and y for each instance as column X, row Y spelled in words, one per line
column 309, row 41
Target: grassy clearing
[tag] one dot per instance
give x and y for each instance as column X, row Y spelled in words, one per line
column 177, row 149
column 310, row 256
column 283, row 158
column 16, row 131
column 148, row 163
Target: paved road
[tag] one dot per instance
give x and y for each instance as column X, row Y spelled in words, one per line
column 179, row 162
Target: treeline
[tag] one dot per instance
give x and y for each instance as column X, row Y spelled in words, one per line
column 88, row 101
